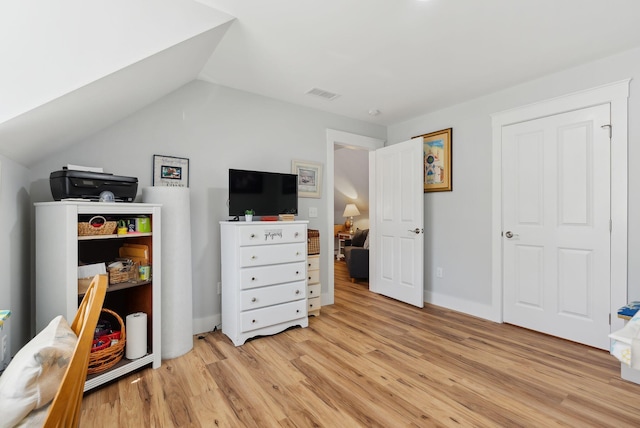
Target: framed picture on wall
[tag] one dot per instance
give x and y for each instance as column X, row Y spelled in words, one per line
column 170, row 171
column 309, row 178
column 437, row 164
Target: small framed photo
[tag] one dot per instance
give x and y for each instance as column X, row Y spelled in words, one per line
column 309, row 178
column 170, row 171
column 437, row 162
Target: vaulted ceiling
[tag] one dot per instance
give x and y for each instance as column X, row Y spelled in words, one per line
column 70, row 68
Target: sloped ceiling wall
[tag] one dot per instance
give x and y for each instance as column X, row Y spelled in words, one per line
column 351, row 183
column 77, row 67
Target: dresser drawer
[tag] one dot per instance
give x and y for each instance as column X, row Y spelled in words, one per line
column 313, row 290
column 313, row 263
column 272, row 274
column 274, row 295
column 313, row 276
column 272, row 254
column 272, row 315
column 313, row 304
column 273, row 233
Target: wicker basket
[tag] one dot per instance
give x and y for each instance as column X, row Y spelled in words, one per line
column 313, row 241
column 104, row 359
column 129, row 273
column 97, row 225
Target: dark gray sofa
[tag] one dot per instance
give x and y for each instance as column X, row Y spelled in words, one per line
column 356, row 256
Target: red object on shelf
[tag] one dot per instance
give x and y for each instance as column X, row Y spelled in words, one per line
column 113, row 336
column 100, row 344
column 269, row 218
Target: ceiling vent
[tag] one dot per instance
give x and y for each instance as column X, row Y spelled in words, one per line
column 322, row 94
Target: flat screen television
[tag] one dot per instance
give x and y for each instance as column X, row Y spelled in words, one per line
column 266, row 193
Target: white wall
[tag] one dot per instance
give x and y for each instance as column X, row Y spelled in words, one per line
column 217, row 128
column 351, row 185
column 15, row 253
column 458, row 223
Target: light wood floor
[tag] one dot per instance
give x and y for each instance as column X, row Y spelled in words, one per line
column 373, row 362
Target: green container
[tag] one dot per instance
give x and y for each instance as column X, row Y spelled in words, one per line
column 143, row 224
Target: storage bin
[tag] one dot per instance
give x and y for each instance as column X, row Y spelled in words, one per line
column 123, row 272
column 313, row 241
column 97, row 225
column 103, row 359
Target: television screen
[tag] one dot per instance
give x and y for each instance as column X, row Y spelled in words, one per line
column 266, row 193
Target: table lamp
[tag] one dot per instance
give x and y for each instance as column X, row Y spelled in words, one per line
column 350, row 211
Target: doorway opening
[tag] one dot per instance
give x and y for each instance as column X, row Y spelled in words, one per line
column 337, row 141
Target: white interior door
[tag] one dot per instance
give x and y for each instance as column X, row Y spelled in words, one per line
column 397, row 247
column 556, row 225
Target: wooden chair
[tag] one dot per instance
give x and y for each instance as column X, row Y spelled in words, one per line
column 64, row 410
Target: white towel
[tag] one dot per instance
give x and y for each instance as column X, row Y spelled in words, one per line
column 626, row 343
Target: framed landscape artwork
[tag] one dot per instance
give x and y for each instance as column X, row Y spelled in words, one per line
column 437, row 163
column 309, row 178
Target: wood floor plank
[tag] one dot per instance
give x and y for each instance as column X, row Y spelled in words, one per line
column 370, row 361
column 210, row 412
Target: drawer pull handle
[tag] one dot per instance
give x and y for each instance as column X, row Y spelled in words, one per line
column 253, row 257
column 297, row 291
column 253, row 235
column 311, row 305
column 297, row 311
column 296, row 234
column 297, row 272
column 253, row 321
column 297, row 253
column 310, row 291
column 254, row 300
column 253, row 278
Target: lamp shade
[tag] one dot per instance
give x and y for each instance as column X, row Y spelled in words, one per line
column 351, row 211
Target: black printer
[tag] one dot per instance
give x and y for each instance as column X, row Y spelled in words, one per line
column 72, row 184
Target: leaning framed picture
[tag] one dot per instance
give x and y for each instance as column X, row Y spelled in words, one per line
column 170, row 171
column 309, row 178
column 437, row 162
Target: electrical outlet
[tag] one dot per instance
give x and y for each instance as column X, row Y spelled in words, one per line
column 219, row 288
column 439, row 273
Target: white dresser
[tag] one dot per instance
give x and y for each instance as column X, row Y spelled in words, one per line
column 313, row 285
column 264, row 277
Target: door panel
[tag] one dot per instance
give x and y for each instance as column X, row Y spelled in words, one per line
column 399, row 210
column 556, row 206
column 529, row 282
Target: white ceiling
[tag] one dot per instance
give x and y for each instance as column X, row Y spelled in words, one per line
column 71, row 68
column 408, row 57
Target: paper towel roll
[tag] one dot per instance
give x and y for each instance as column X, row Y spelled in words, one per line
column 136, row 332
column 177, row 307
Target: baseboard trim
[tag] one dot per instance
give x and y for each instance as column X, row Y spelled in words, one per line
column 206, row 324
column 475, row 309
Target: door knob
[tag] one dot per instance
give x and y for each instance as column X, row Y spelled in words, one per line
column 417, row 230
column 509, row 234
